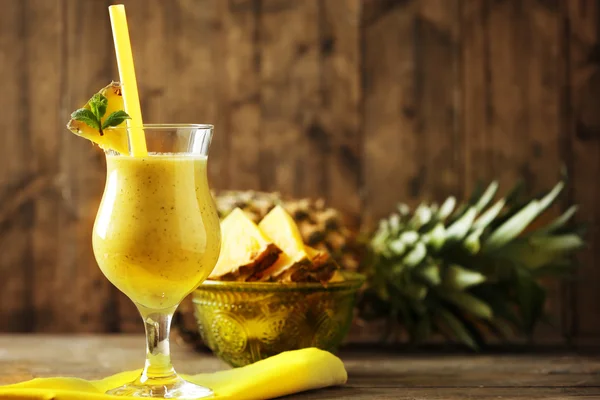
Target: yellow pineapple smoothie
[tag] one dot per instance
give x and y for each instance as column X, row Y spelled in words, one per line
column 156, row 236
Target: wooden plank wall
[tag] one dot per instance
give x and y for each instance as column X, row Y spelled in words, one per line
column 362, row 102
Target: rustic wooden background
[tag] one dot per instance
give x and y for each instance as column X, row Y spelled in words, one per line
column 363, row 102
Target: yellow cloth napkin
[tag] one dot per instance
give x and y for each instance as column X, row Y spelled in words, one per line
column 286, row 373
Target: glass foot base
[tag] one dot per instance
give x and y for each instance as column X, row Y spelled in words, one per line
column 178, row 389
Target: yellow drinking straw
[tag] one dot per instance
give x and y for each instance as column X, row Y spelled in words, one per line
column 129, row 89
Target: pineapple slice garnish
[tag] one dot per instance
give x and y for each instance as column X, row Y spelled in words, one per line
column 280, row 227
column 102, row 111
column 245, row 249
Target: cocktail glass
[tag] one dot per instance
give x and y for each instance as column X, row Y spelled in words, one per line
column 156, row 238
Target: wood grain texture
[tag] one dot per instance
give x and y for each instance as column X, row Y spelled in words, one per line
column 511, row 60
column 389, row 109
column 450, row 394
column 370, row 375
column 438, row 116
column 583, row 124
column 362, row 102
column 82, row 298
column 412, row 104
column 241, row 94
column 339, row 120
column 511, row 95
column 45, row 44
column 290, row 98
column 16, row 175
column 194, row 71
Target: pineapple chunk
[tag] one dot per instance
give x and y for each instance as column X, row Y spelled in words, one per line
column 319, row 258
column 280, row 227
column 324, row 266
column 245, row 249
column 114, row 140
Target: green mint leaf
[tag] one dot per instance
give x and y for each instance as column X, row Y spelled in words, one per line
column 98, row 104
column 87, row 117
column 115, row 119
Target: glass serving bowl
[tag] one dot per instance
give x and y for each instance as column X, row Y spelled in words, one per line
column 244, row 322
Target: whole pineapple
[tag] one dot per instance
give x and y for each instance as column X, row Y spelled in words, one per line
column 469, row 271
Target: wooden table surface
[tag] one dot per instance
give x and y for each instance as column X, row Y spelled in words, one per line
column 372, row 374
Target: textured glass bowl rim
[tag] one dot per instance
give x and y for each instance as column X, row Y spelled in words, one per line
column 164, row 127
column 353, row 281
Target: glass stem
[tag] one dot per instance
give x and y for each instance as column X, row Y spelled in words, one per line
column 158, row 355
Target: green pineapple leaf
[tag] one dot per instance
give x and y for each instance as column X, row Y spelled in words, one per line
column 410, row 238
column 513, row 197
column 537, row 251
column 457, row 328
column 460, row 278
column 561, row 267
column 476, row 193
column 446, row 208
column 558, row 223
column 487, row 196
column 520, row 220
column 459, row 229
column 436, row 237
column 472, row 242
column 431, row 274
column 466, row 302
column 421, row 216
column 513, row 227
column 550, row 197
column 472, row 261
column 412, row 290
column 489, row 215
column 499, row 299
column 531, row 297
column 394, row 225
column 416, row 255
